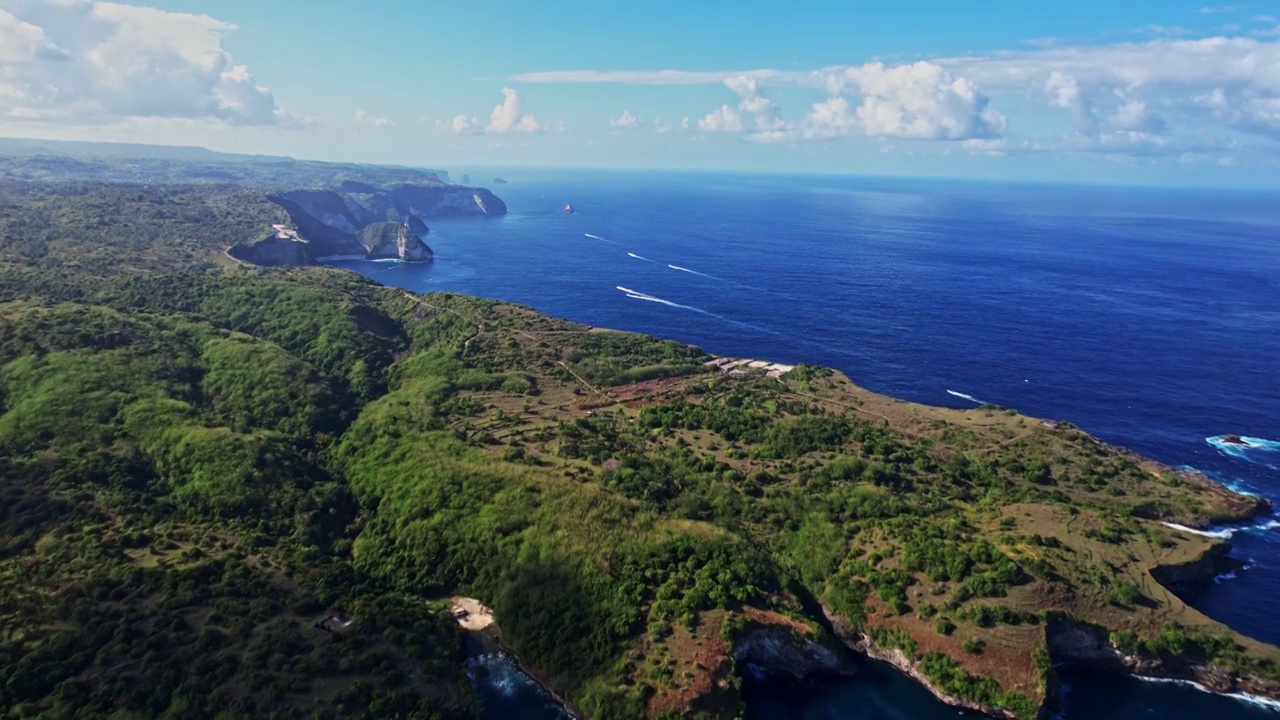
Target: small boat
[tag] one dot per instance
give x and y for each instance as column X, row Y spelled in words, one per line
column 568, row 209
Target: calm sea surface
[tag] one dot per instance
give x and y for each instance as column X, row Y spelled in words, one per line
column 1150, row 318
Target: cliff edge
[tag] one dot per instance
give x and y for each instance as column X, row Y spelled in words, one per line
column 361, row 220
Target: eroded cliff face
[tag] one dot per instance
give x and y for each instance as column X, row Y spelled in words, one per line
column 393, row 241
column 445, row 201
column 364, row 221
column 1073, row 642
column 274, row 251
column 783, row 651
column 1212, row 563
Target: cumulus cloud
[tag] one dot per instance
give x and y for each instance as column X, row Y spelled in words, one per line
column 507, row 116
column 624, row 121
column 1162, row 95
column 829, row 119
column 1231, row 81
column 364, row 119
column 767, row 120
column 723, row 119
column 920, row 101
column 1135, row 116
column 92, row 62
column 1064, row 91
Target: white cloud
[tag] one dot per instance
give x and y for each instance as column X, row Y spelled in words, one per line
column 91, row 62
column 460, row 125
column 1064, row 91
column 1163, row 95
column 766, row 116
column 922, row 101
column 1231, row 82
column 725, row 119
column 364, row 119
column 1134, row 115
column 624, row 121
column 507, row 116
column 833, row 118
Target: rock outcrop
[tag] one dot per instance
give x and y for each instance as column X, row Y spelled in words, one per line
column 444, row 201
column 274, row 250
column 360, row 220
column 1212, row 563
column 393, row 241
column 1073, row 642
column 783, row 651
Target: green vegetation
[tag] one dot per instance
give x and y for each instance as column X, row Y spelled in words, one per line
column 200, row 460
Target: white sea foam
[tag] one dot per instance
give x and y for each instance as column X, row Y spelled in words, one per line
column 1228, row 532
column 639, row 257
column 695, row 272
column 970, row 398
column 1266, row 703
column 637, row 295
column 1224, row 534
column 1260, row 451
column 594, row 237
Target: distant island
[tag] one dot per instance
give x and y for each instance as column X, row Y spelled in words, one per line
column 499, row 181
column 233, row 490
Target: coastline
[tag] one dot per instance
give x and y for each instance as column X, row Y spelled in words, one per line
column 1245, row 509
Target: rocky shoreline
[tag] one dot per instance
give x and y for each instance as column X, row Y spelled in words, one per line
column 1072, row 642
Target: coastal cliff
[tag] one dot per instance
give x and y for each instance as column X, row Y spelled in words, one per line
column 783, row 651
column 361, row 220
column 862, row 643
column 1216, row 662
column 1075, row 642
column 390, row 240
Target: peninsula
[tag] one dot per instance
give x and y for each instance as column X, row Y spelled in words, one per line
column 259, row 491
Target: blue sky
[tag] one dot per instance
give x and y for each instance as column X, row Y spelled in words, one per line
column 1172, row 92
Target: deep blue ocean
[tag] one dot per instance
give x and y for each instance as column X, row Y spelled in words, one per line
column 1148, row 317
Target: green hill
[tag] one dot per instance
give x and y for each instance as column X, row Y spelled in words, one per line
column 200, row 460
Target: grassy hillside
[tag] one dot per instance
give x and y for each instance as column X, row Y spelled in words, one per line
column 199, row 460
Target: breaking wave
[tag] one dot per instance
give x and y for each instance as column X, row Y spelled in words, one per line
column 1226, row 533
column 970, row 398
column 1255, row 700
column 1249, row 449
